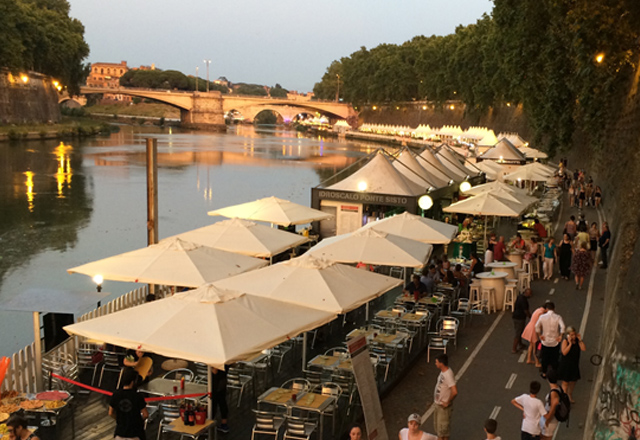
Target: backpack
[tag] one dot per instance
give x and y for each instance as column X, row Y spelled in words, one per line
column 564, row 406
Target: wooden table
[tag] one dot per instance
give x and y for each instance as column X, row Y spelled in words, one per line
column 389, row 314
column 504, row 266
column 496, row 280
column 194, row 431
column 324, row 361
column 277, row 396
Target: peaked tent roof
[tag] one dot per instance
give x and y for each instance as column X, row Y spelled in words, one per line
column 504, row 150
column 408, row 166
column 450, row 160
column 489, row 140
column 434, row 167
column 380, row 177
column 490, row 168
column 532, row 153
column 515, row 139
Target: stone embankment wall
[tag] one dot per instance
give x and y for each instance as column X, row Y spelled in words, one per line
column 500, row 119
column 34, row 100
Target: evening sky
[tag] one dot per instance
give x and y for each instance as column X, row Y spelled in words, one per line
column 265, row 42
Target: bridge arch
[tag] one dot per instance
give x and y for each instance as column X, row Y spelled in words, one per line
column 280, row 119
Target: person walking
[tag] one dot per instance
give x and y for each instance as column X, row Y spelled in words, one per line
column 570, row 227
column 594, row 236
column 548, row 422
column 219, row 397
column 128, row 408
column 569, row 369
column 499, row 250
column 520, row 315
column 490, row 428
column 413, row 431
column 604, row 241
column 565, row 254
column 443, row 395
column 549, row 258
column 597, row 195
column 549, row 329
column 532, row 409
column 530, row 335
column 581, row 264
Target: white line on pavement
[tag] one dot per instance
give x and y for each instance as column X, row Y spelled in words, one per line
column 556, row 281
column 511, row 380
column 552, row 291
column 495, row 412
column 587, row 305
column 470, row 359
column 522, row 357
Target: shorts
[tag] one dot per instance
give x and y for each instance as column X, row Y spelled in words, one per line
column 518, row 326
column 593, row 245
column 549, row 429
column 527, row 436
column 442, row 420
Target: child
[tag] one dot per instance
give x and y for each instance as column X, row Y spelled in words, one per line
column 532, row 409
column 490, row 428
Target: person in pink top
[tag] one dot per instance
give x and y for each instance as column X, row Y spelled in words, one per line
column 530, row 335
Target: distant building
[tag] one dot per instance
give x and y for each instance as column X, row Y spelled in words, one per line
column 107, row 75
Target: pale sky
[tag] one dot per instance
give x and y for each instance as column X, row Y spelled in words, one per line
column 264, row 42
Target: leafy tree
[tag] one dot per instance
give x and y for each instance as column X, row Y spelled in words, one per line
column 251, row 89
column 278, row 92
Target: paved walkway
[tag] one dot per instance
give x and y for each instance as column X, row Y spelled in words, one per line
column 489, row 375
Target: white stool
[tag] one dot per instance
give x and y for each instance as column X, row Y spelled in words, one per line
column 535, row 267
column 509, row 296
column 526, row 265
column 524, row 281
column 489, row 295
column 474, row 292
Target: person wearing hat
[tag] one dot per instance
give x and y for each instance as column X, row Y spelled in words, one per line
column 413, row 431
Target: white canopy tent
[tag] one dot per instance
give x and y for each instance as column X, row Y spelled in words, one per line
column 492, row 170
column 489, row 140
column 243, row 237
column 172, row 262
column 407, row 165
column 434, row 166
column 504, row 151
column 448, row 158
column 273, row 210
column 373, row 247
column 415, row 227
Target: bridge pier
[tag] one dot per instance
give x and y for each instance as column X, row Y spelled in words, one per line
column 205, row 113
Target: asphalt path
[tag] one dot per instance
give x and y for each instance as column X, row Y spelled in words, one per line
column 489, row 375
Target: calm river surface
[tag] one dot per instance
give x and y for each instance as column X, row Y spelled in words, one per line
column 68, row 204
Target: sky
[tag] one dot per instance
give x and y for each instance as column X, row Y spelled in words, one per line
column 264, row 42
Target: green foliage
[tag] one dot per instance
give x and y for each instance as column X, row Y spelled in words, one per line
column 39, row 35
column 166, row 79
column 250, row 89
column 540, row 53
column 278, row 92
column 266, row 117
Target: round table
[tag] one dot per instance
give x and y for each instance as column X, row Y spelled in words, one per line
column 504, row 266
column 174, row 364
column 516, row 257
column 494, row 279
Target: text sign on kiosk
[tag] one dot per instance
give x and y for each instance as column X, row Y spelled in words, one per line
column 366, row 382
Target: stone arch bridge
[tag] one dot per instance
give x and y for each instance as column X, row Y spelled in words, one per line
column 207, row 109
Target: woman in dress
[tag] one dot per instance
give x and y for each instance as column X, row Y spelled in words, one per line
column 565, row 253
column 572, row 195
column 549, row 258
column 569, row 368
column 597, row 195
column 581, row 196
column 581, row 264
column 594, row 236
column 530, row 335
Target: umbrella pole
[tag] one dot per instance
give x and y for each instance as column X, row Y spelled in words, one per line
column 304, row 351
column 486, row 245
column 37, row 348
column 209, row 393
column 366, row 313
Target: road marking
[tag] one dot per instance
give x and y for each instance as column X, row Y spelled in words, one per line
column 556, row 281
column 495, row 412
column 511, row 380
column 552, row 291
column 587, row 305
column 522, row 357
column 470, row 359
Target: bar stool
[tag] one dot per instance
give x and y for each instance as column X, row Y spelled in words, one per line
column 524, row 281
column 474, row 292
column 509, row 296
column 489, row 297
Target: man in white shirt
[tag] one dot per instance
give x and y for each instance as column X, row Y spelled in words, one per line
column 550, row 328
column 532, row 410
column 443, row 395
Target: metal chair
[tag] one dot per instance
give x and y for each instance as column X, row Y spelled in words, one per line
column 236, row 380
column 447, row 328
column 267, row 423
column 279, row 352
column 202, row 372
column 334, row 390
column 336, row 351
column 436, row 343
column 86, row 360
column 110, row 362
column 299, row 428
column 297, row 384
column 386, row 356
column 462, row 310
column 313, row 376
column 170, row 411
column 179, row 373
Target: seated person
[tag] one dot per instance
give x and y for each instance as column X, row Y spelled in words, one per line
column 476, row 264
column 17, row 429
column 518, row 242
column 139, row 362
column 415, row 288
column 430, row 278
column 540, row 230
column 449, row 278
column 459, row 274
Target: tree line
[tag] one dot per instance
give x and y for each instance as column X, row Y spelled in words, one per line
column 560, row 59
column 39, row 35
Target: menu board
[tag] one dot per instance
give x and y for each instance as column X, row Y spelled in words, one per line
column 349, row 218
column 366, row 382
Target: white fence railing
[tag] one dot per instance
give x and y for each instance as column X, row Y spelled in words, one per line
column 21, row 374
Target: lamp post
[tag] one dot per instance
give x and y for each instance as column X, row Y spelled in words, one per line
column 207, row 62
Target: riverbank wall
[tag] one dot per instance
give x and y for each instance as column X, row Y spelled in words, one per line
column 28, row 98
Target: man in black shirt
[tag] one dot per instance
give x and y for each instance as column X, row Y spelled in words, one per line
column 415, row 288
column 520, row 315
column 129, row 409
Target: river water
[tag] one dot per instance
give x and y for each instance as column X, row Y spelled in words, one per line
column 66, row 204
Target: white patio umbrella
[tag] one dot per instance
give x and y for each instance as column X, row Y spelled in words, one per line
column 211, row 325
column 517, row 198
column 415, row 227
column 491, row 186
column 243, row 237
column 172, row 262
column 528, row 173
column 373, row 247
column 273, row 210
column 532, row 153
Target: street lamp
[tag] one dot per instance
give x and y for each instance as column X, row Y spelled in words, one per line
column 98, row 279
column 207, row 62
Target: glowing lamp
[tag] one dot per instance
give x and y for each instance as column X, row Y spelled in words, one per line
column 362, row 186
column 98, row 279
column 24, row 78
column 465, row 186
column 600, row 58
column 425, row 202
column 452, row 107
column 374, row 107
